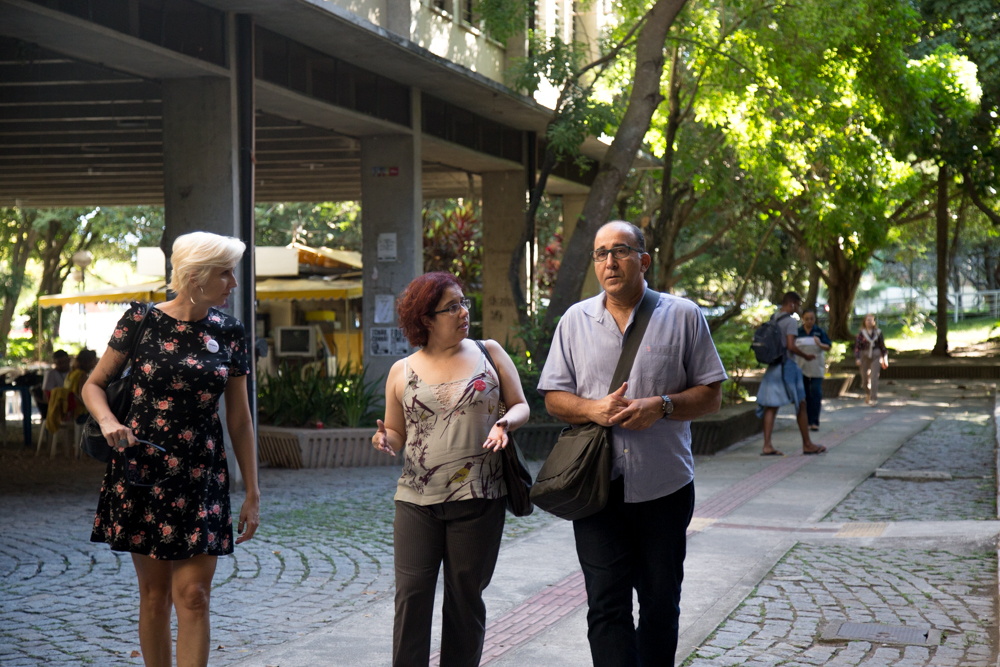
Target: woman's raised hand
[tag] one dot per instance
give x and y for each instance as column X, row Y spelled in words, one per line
column 497, row 439
column 380, row 440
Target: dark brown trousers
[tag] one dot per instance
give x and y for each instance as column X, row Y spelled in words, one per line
column 465, row 535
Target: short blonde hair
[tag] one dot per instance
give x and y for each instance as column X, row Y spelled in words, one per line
column 194, row 256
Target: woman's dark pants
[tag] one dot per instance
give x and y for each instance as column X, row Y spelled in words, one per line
column 814, row 399
column 641, row 546
column 465, row 535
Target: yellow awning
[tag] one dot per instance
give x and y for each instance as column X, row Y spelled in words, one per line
column 155, row 291
column 328, row 257
column 267, row 290
column 284, row 290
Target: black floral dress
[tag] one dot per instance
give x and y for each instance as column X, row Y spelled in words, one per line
column 181, row 372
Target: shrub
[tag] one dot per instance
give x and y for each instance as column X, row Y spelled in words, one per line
column 737, row 358
column 295, row 397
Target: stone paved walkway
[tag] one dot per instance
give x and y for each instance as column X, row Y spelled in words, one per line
column 961, row 442
column 324, row 548
column 817, row 585
column 324, row 552
column 947, row 587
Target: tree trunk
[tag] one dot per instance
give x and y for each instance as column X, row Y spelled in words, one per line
column 970, row 189
column 667, row 228
column 24, row 240
column 941, row 345
column 845, row 276
column 815, row 276
column 549, row 163
column 55, row 269
column 643, row 101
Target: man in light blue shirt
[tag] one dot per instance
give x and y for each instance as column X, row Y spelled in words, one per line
column 638, row 539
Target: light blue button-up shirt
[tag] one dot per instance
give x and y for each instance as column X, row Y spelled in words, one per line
column 677, row 353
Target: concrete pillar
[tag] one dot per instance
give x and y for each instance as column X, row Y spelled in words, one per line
column 399, row 16
column 503, row 223
column 391, row 229
column 200, row 151
column 572, row 206
column 201, row 175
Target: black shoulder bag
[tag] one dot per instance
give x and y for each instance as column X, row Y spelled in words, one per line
column 575, row 479
column 516, row 477
column 119, row 392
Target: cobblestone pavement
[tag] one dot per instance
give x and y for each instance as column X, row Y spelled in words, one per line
column 323, row 549
column 817, row 585
column 960, row 441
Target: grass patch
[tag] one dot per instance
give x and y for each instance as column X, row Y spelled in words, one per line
column 962, row 334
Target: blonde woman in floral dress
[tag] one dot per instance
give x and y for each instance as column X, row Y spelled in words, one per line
column 442, row 412
column 165, row 496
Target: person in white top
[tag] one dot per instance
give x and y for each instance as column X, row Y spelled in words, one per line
column 871, row 355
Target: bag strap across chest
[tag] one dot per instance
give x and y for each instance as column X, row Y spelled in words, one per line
column 633, row 338
column 130, row 361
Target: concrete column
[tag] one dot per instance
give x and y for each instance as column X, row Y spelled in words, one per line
column 201, row 175
column 391, row 228
column 572, row 208
column 200, row 151
column 503, row 224
column 399, row 16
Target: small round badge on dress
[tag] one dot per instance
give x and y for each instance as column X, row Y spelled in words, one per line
column 212, row 345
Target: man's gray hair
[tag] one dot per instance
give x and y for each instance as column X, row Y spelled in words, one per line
column 640, row 238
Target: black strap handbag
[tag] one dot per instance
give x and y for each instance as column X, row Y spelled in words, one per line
column 575, row 479
column 119, row 392
column 516, row 477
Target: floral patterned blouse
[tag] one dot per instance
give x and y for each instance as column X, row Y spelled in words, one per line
column 181, row 372
column 446, row 426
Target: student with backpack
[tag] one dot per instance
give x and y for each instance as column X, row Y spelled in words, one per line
column 774, row 345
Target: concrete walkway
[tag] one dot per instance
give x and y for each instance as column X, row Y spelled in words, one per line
column 751, row 511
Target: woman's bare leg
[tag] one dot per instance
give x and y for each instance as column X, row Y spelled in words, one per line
column 192, row 586
column 154, row 609
column 769, row 416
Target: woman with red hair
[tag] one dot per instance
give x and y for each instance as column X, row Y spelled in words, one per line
column 442, row 410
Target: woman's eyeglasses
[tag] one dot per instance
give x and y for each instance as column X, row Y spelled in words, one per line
column 136, row 475
column 456, row 308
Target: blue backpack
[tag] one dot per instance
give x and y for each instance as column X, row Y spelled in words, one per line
column 768, row 341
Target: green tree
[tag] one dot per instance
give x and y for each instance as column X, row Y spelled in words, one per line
column 107, row 232
column 329, row 224
column 17, row 237
column 639, row 34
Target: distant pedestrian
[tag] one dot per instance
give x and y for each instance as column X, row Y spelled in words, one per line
column 442, row 411
column 813, row 370
column 638, row 541
column 54, row 377
column 871, row 355
column 82, row 367
column 165, row 496
column 783, row 383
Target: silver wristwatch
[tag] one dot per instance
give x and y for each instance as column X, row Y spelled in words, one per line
column 668, row 406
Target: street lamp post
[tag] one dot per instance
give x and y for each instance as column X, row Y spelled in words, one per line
column 81, row 260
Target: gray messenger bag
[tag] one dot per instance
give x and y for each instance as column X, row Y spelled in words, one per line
column 575, row 478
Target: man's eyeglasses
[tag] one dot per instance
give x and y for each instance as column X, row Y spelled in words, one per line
column 618, row 252
column 456, row 308
column 136, row 475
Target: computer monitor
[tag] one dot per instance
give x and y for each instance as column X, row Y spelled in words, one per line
column 295, row 341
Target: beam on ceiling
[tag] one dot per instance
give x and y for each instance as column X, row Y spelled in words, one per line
column 90, row 42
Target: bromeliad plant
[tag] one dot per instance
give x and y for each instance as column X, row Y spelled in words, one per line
column 306, row 397
column 356, row 399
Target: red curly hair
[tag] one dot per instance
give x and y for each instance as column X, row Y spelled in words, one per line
column 421, row 299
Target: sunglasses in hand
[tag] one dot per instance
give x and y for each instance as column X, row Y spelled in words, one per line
column 136, row 475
